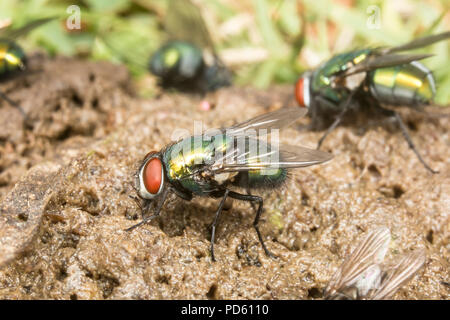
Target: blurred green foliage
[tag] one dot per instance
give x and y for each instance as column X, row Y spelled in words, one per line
column 285, row 37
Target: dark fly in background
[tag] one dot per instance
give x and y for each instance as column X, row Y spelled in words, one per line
column 188, row 61
column 366, row 78
column 13, row 60
column 215, row 165
column 364, row 276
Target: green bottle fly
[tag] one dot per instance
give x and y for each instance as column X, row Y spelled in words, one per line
column 12, row 56
column 213, row 166
column 188, row 60
column 360, row 79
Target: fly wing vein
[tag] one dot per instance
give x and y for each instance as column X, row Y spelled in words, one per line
column 369, row 252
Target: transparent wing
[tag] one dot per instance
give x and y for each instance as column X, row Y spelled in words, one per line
column 184, row 21
column 293, row 154
column 385, row 57
column 369, row 252
column 137, row 58
column 15, row 33
column 399, row 274
column 268, row 121
column 383, row 61
column 236, row 149
column 257, row 155
column 419, row 43
column 249, row 153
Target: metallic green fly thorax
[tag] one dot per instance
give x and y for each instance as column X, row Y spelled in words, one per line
column 178, row 59
column 181, row 65
column 184, row 158
column 323, row 77
column 178, row 64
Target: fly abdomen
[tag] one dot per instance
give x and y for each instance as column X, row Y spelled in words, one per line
column 410, row 84
column 255, row 154
column 261, row 178
column 12, row 58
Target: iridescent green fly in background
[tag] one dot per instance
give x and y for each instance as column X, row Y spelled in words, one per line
column 370, row 78
column 188, row 61
column 12, row 58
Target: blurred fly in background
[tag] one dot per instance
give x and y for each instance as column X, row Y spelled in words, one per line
column 186, row 58
column 364, row 275
column 264, row 42
column 188, row 61
column 360, row 79
column 13, row 61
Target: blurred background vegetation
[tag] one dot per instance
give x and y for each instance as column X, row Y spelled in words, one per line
column 264, row 42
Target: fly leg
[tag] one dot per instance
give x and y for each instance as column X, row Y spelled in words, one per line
column 154, row 215
column 247, row 189
column 258, row 199
column 12, row 103
column 345, row 106
column 144, row 207
column 251, row 203
column 393, row 114
column 315, row 111
column 333, row 126
column 214, row 224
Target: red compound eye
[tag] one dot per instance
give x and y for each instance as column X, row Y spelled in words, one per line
column 299, row 92
column 152, row 175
